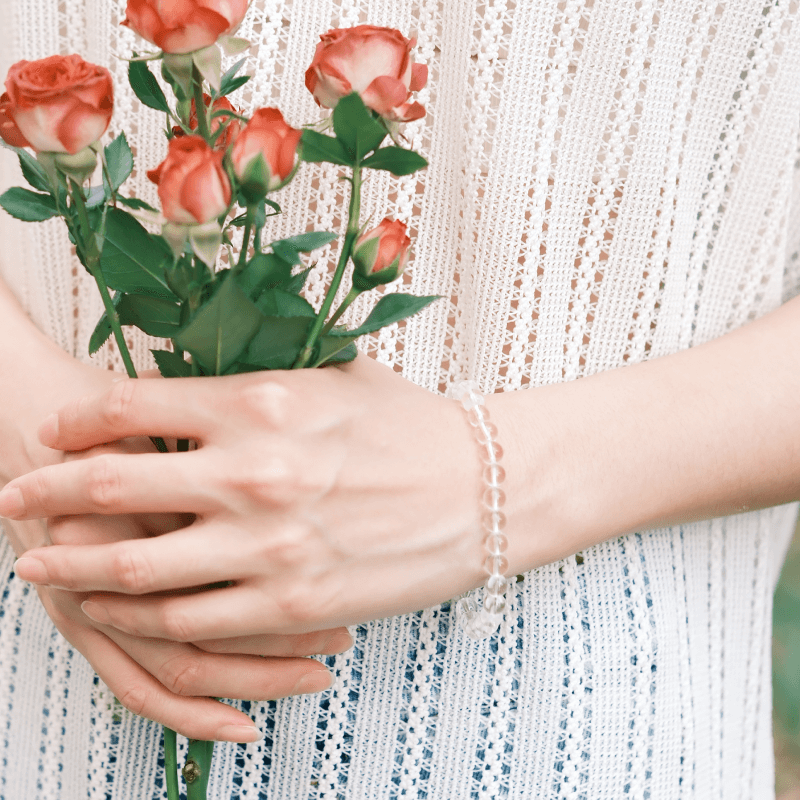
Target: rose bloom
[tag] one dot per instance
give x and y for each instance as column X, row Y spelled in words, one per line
column 182, row 26
column 221, row 104
column 376, row 63
column 59, row 104
column 268, row 135
column 383, row 249
column 192, row 185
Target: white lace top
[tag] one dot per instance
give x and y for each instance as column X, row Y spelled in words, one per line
column 610, row 181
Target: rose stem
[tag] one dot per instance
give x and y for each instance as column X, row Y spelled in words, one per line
column 349, row 239
column 351, row 295
column 91, row 255
column 248, row 229
column 197, row 768
column 171, row 764
column 200, row 106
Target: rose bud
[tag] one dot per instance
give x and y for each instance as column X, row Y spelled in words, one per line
column 59, row 104
column 220, row 104
column 376, row 63
column 186, row 26
column 380, row 255
column 265, row 153
column 192, row 185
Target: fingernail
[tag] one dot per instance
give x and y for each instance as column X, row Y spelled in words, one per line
column 338, row 643
column 48, row 431
column 31, row 570
column 317, row 681
column 96, row 612
column 239, row 733
column 12, row 503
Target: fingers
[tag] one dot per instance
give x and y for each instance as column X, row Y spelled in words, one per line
column 112, row 484
column 137, row 690
column 323, row 643
column 187, row 671
column 210, row 614
column 193, row 556
column 189, row 408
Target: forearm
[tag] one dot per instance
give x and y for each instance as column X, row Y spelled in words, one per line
column 707, row 432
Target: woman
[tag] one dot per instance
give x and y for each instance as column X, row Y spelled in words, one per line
column 610, row 184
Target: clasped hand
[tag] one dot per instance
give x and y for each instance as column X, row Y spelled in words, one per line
column 320, row 498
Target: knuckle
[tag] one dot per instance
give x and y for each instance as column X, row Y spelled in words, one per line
column 103, row 482
column 177, row 625
column 135, row 699
column 290, row 545
column 131, row 570
column 266, row 402
column 182, row 675
column 118, row 403
column 299, row 606
column 269, row 481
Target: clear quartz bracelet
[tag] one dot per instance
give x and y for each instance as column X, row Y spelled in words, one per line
column 480, row 621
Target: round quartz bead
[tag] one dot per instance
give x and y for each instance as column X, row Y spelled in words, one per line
column 495, row 565
column 494, row 498
column 487, row 432
column 494, row 604
column 492, row 454
column 494, row 475
column 466, row 608
column 476, row 417
column 496, row 545
column 496, row 584
column 493, row 521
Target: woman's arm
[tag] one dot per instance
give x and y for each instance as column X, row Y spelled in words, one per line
column 340, row 495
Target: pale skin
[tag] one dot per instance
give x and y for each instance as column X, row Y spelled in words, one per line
column 347, row 494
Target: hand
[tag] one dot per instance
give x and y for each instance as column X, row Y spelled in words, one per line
column 327, row 497
column 170, row 683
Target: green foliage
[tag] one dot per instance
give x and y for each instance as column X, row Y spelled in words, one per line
column 289, row 249
column 156, row 316
column 356, row 128
column 230, row 81
column 135, row 203
column 276, row 303
column 28, row 206
column 145, row 86
column 134, row 260
column 222, row 328
column 264, row 271
column 103, row 329
column 389, row 309
column 396, row 160
column 33, row 172
column 278, row 342
column 336, row 349
column 786, row 644
column 296, row 283
column 316, row 147
column 171, row 365
column 119, row 162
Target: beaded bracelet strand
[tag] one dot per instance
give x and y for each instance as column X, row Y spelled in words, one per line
column 480, row 622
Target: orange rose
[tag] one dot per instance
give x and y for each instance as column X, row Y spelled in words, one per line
column 265, row 153
column 380, row 255
column 376, row 63
column 183, row 26
column 221, row 104
column 60, row 104
column 192, row 185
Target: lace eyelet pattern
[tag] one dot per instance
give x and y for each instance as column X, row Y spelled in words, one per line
column 478, row 620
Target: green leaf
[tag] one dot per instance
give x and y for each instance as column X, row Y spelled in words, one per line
column 278, row 342
column 222, row 328
column 296, row 283
column 335, row 349
column 96, row 197
column 277, row 303
column 135, row 203
column 145, row 86
column 119, row 161
column 154, row 315
column 316, row 147
column 33, row 172
column 264, row 271
column 289, row 249
column 103, row 329
column 358, row 131
column 134, row 260
column 28, row 206
column 230, row 81
column 171, row 365
column 396, row 160
column 389, row 309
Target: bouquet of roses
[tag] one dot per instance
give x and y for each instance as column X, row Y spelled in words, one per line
column 226, row 304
